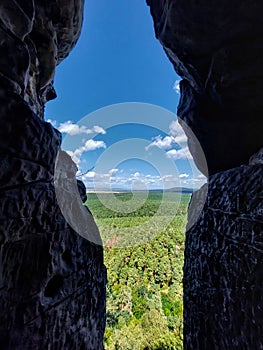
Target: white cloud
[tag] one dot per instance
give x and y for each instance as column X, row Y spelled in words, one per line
column 176, row 136
column 98, row 129
column 136, row 175
column 90, row 145
column 136, row 181
column 74, row 129
column 53, row 122
column 199, row 179
column 89, row 175
column 182, row 153
column 195, row 182
column 184, row 176
column 170, row 181
column 176, row 86
column 177, row 132
column 162, row 143
column 102, row 180
column 115, row 178
column 92, row 175
column 113, row 171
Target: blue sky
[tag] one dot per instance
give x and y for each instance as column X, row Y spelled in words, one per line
column 118, row 61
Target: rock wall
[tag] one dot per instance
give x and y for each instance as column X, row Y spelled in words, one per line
column 52, row 280
column 223, row 264
column 217, row 49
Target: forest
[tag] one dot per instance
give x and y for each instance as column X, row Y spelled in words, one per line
column 144, row 288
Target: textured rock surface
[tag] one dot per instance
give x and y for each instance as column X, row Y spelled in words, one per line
column 217, row 48
column 35, row 37
column 223, row 283
column 52, row 280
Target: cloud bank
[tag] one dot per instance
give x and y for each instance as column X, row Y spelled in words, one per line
column 74, row 129
column 115, row 179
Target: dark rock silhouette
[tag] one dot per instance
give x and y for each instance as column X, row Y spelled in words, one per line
column 52, row 279
column 217, row 49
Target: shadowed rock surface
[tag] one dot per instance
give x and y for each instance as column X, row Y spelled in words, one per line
column 217, row 49
column 52, row 280
column 223, row 264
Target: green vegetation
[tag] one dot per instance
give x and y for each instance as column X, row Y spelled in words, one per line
column 144, row 290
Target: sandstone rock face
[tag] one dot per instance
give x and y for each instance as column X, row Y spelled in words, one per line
column 223, row 282
column 52, row 280
column 217, row 49
column 35, row 37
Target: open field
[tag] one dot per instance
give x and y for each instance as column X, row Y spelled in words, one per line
column 144, row 291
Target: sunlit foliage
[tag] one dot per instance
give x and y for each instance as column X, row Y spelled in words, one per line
column 144, row 290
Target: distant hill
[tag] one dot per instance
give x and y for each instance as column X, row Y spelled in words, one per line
column 121, row 190
column 173, row 190
column 180, row 190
